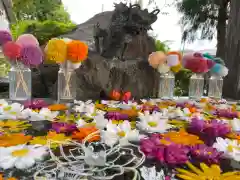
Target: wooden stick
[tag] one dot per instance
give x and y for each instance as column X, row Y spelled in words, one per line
column 21, row 82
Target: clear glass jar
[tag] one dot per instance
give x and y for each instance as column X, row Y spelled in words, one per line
column 196, row 86
column 215, row 87
column 66, row 85
column 166, row 85
column 20, row 83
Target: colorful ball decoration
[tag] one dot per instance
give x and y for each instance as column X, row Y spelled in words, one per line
column 5, row 36
column 157, row 59
column 31, row 55
column 77, row 51
column 11, row 50
column 27, row 39
column 219, row 70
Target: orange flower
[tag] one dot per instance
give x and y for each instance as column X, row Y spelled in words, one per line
column 84, row 132
column 77, row 51
column 11, row 178
column 57, row 107
column 130, row 112
column 182, row 137
column 7, row 140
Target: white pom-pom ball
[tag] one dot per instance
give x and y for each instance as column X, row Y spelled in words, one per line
column 223, row 71
column 164, row 68
column 172, row 60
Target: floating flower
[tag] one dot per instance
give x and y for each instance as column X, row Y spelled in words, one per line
column 21, row 156
column 43, row 114
column 209, row 130
column 181, row 137
column 13, row 111
column 55, row 139
column 31, row 55
column 235, row 123
column 83, row 132
column 164, row 151
column 11, row 50
column 230, row 148
column 13, row 126
column 205, row 173
column 11, row 178
column 35, row 104
column 5, row 36
column 153, row 122
column 7, row 140
column 116, row 116
column 27, row 39
column 61, row 127
column 56, row 50
column 58, row 107
column 100, row 121
column 206, row 154
column 121, row 132
column 225, row 113
column 77, row 51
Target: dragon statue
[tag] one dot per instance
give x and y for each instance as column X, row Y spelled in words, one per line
column 126, row 23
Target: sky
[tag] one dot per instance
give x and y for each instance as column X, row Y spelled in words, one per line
column 166, row 28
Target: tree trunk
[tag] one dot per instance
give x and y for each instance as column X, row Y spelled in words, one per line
column 221, row 27
column 231, row 87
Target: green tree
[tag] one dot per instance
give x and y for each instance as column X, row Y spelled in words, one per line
column 205, row 17
column 40, row 10
column 162, row 46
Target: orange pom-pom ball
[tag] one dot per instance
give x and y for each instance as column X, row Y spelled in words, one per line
column 157, row 58
column 77, row 51
column 11, row 50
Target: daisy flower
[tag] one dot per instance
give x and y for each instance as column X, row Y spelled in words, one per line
column 121, row 132
column 230, row 148
column 153, row 122
column 205, row 172
column 13, row 111
column 43, row 114
column 235, row 123
column 21, row 156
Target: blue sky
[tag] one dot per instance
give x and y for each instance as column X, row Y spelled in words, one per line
column 167, row 27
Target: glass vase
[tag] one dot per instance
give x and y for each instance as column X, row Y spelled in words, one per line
column 20, row 83
column 166, row 85
column 196, row 86
column 66, row 85
column 215, row 87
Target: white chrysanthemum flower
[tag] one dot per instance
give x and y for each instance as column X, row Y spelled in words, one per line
column 235, row 123
column 155, row 122
column 12, row 111
column 122, row 132
column 152, row 174
column 21, row 156
column 230, row 148
column 43, row 114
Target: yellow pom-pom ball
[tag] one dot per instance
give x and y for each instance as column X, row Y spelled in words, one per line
column 56, row 50
column 176, row 68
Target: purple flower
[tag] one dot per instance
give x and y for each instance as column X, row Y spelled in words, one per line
column 225, row 113
column 202, row 152
column 35, row 104
column 5, row 36
column 209, row 130
column 171, row 154
column 61, row 127
column 176, row 154
column 116, row 116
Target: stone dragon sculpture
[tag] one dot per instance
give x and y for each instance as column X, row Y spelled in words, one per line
column 126, row 22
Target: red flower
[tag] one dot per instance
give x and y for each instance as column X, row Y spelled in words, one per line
column 12, row 50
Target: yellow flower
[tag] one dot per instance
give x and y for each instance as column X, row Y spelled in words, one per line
column 13, row 126
column 178, row 123
column 69, row 118
column 53, row 137
column 206, row 173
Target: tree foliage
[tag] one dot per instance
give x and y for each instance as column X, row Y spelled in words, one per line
column 40, row 10
column 43, row 31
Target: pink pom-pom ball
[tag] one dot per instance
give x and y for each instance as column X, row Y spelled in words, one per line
column 27, row 39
